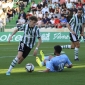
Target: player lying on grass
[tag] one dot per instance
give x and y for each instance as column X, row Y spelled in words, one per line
column 56, row 63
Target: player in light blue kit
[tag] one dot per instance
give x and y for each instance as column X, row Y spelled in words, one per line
column 56, row 63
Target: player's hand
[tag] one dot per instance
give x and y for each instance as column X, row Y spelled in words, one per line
column 73, row 33
column 10, row 38
column 66, row 65
column 35, row 52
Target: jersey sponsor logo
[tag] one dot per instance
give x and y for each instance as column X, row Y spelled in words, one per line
column 29, row 36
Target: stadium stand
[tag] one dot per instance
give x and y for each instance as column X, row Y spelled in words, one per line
column 9, row 12
column 50, row 13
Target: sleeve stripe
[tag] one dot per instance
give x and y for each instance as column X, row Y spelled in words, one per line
column 71, row 21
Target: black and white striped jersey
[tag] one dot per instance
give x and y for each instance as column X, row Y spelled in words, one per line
column 30, row 34
column 76, row 23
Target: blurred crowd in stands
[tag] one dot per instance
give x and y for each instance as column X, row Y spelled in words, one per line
column 8, row 9
column 5, row 7
column 50, row 13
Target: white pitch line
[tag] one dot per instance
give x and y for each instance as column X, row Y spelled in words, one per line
column 28, row 55
column 39, row 48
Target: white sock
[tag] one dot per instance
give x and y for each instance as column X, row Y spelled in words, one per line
column 45, row 58
column 14, row 62
column 66, row 46
column 69, row 46
column 42, row 63
column 76, row 52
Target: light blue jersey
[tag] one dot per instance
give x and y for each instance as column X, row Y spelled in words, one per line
column 57, row 63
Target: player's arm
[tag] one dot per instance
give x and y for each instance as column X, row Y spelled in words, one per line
column 68, row 63
column 83, row 25
column 68, row 66
column 39, row 38
column 82, row 29
column 39, row 42
column 69, row 25
column 20, row 28
column 14, row 32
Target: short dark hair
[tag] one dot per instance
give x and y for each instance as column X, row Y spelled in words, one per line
column 62, row 15
column 34, row 18
column 58, row 49
column 80, row 9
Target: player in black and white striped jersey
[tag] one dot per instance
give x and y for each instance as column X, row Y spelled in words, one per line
column 81, row 36
column 31, row 31
column 74, row 26
column 30, row 34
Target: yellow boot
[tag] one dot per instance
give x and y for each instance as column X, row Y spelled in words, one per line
column 42, row 55
column 38, row 61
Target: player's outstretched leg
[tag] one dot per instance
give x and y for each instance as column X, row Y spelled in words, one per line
column 14, row 62
column 38, row 61
column 42, row 55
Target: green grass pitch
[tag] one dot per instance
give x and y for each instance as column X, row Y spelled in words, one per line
column 19, row 76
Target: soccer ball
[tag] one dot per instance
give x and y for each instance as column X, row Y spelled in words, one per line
column 29, row 67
